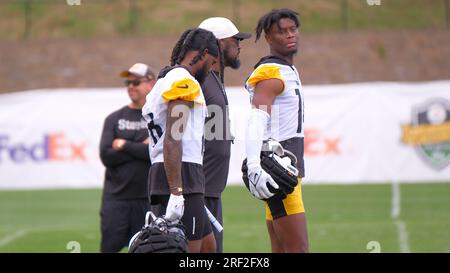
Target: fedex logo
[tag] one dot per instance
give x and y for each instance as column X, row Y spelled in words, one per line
column 52, row 147
column 316, row 144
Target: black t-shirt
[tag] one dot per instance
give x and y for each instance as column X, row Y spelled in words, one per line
column 126, row 170
column 216, row 158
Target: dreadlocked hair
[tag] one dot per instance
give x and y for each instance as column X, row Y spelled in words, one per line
column 274, row 16
column 193, row 39
column 178, row 47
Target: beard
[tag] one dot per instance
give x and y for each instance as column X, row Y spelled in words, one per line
column 201, row 74
column 234, row 63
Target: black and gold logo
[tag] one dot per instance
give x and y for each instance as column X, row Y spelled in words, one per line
column 429, row 132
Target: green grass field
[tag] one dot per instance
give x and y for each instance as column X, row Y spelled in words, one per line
column 340, row 219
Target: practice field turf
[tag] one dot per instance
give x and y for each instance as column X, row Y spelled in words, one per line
column 354, row 218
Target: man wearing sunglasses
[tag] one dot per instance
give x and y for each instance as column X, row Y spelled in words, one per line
column 124, row 152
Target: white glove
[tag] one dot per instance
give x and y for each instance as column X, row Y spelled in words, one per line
column 175, row 208
column 258, row 179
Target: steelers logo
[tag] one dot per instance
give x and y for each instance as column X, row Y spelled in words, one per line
column 436, row 114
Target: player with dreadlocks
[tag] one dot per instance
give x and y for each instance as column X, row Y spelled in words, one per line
column 277, row 112
column 175, row 112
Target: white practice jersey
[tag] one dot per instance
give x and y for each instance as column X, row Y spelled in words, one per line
column 178, row 83
column 287, row 115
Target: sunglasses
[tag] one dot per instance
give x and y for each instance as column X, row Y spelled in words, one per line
column 134, row 82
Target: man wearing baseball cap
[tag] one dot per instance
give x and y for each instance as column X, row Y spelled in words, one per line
column 218, row 137
column 124, row 152
column 140, row 79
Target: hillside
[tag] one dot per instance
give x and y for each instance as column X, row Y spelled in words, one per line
column 323, row 58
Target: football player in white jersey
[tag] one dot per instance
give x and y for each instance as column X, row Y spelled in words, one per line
column 175, row 112
column 277, row 112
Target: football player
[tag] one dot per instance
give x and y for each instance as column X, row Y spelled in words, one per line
column 277, row 112
column 175, row 113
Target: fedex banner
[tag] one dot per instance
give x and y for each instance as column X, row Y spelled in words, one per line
column 354, row 133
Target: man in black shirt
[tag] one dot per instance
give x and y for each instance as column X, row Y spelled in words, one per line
column 216, row 160
column 124, row 152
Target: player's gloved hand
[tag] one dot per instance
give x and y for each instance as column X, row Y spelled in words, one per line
column 258, row 179
column 175, row 208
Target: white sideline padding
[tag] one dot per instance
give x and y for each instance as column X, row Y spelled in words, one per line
column 355, row 133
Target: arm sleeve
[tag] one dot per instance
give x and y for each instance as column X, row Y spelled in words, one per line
column 109, row 157
column 255, row 135
column 137, row 149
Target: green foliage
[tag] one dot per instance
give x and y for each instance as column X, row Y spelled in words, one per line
column 171, row 17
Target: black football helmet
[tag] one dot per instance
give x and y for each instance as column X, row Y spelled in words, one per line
column 159, row 236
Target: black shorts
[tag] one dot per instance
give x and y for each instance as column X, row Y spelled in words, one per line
column 191, row 174
column 120, row 220
column 194, row 219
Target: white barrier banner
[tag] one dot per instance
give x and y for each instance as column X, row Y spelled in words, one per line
column 355, row 133
column 50, row 138
column 378, row 132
